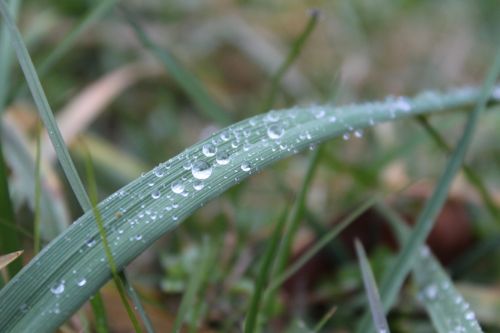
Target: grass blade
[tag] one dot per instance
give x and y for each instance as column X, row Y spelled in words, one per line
column 444, row 304
column 6, row 55
column 320, row 244
column 376, row 308
column 473, row 178
column 9, row 237
column 7, row 259
column 251, row 321
column 44, row 109
column 205, row 262
column 292, row 55
column 324, row 320
column 107, row 250
column 38, row 193
column 131, row 231
column 94, row 15
column 391, row 285
column 188, row 82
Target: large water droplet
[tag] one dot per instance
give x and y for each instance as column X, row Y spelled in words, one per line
column 275, row 132
column 158, row 171
column 201, row 170
column 58, row 288
column 209, row 150
column 272, row 116
column 177, row 187
column 225, row 136
column 222, row 157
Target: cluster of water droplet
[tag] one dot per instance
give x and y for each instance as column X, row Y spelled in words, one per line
column 443, row 294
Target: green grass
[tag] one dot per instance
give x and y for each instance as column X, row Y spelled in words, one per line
column 249, row 274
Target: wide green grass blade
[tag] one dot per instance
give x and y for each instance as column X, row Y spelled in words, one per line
column 252, row 319
column 55, row 136
column 187, row 81
column 377, row 310
column 390, row 286
column 444, row 304
column 142, row 211
column 205, row 263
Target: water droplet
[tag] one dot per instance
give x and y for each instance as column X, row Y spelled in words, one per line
column 156, row 194
column 138, row 237
column 91, row 242
column 81, row 282
column 198, row 185
column 222, row 157
column 58, row 288
column 358, row 133
column 187, row 165
column 402, row 104
column 158, row 172
column 209, row 150
column 246, row 166
column 332, row 119
column 201, row 170
column 346, row 136
column 470, row 315
column 275, row 132
column 272, row 116
column 225, row 136
column 318, row 112
column 431, row 292
column 177, row 187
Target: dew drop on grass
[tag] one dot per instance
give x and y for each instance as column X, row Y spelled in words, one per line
column 275, row 132
column 138, row 237
column 156, row 194
column 158, row 172
column 332, row 119
column 209, row 150
column 201, row 170
column 470, row 316
column 431, row 292
column 187, row 165
column 225, row 136
column 177, row 187
column 198, row 185
column 272, row 116
column 58, row 288
column 358, row 133
column 246, row 166
column 81, row 282
column 222, row 158
column 346, row 136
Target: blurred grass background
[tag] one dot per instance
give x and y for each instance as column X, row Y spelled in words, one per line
column 114, row 98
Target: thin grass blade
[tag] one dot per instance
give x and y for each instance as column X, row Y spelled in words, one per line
column 404, row 261
column 187, row 81
column 205, row 262
column 251, row 321
column 7, row 259
column 377, row 310
column 444, row 304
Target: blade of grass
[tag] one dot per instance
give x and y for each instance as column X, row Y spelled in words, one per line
column 99, row 311
column 70, row 39
column 404, row 261
column 9, row 236
column 131, row 231
column 324, row 320
column 205, row 262
column 187, row 81
column 251, row 321
column 107, row 250
column 6, row 55
column 134, row 296
column 47, row 117
column 292, row 55
column 444, row 304
column 377, row 310
column 38, row 192
column 473, row 178
column 320, row 244
column 7, row 259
